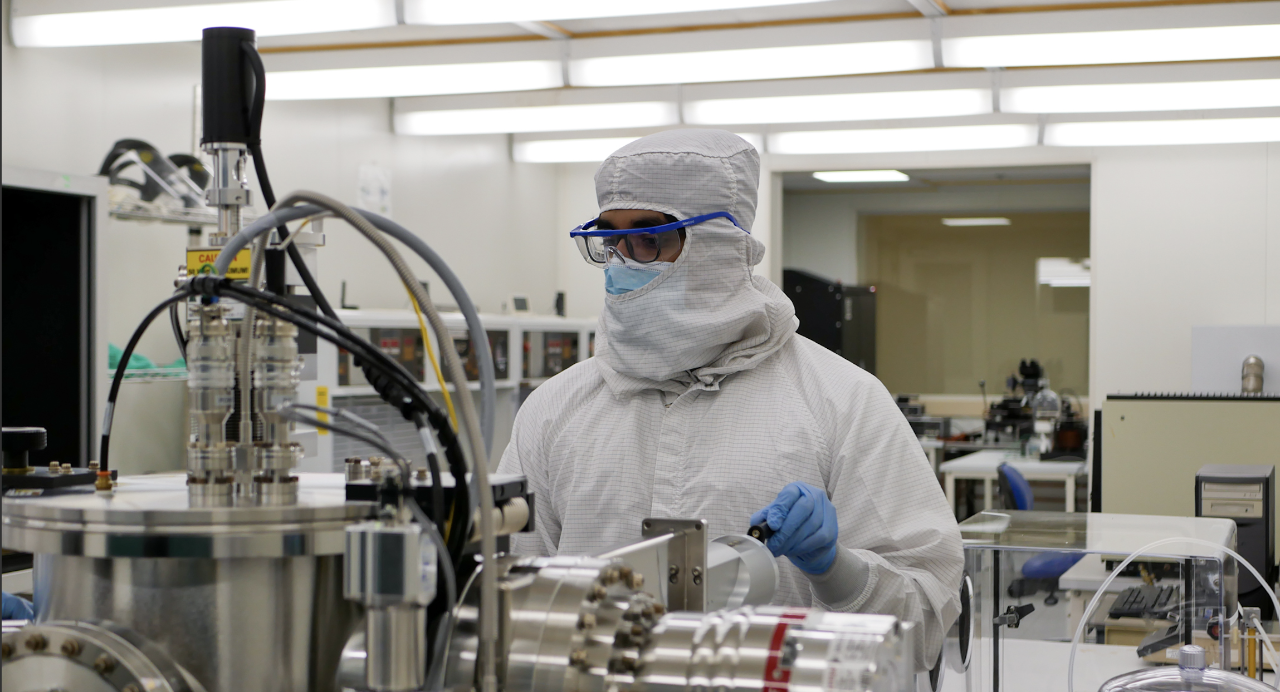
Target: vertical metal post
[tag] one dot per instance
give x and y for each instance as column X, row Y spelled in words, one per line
column 1188, row 600
column 995, row 630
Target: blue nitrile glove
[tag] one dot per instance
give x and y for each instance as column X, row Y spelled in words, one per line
column 17, row 608
column 804, row 526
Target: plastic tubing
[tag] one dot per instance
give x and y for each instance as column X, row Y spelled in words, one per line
column 1102, row 591
column 488, row 392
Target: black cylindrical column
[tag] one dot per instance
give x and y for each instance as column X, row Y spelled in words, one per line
column 227, row 84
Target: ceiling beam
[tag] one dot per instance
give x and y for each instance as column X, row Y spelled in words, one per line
column 546, row 30
column 931, row 8
column 807, row 21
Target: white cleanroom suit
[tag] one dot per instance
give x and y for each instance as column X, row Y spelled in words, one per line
column 703, row 402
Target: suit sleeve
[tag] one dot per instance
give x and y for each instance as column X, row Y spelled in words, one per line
column 900, row 550
column 524, row 456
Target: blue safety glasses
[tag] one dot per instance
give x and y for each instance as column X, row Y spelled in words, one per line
column 643, row 245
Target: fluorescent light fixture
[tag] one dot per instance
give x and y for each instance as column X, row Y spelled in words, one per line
column 413, row 80
column 839, row 107
column 1062, row 272
column 1148, row 132
column 595, row 116
column 1117, row 98
column 977, row 221
column 903, row 139
column 186, row 22
column 861, row 176
column 568, row 150
column 497, row 11
column 752, row 64
column 594, row 149
column 1106, row 47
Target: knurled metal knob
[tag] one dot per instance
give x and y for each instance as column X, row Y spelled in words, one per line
column 1191, row 657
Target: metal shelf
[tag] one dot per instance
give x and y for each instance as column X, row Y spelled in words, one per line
column 135, row 210
column 368, row 390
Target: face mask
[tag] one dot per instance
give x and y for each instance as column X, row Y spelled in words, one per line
column 628, row 275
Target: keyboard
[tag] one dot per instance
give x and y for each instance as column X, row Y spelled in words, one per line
column 1145, row 601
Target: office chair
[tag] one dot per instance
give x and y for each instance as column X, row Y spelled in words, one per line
column 1042, row 571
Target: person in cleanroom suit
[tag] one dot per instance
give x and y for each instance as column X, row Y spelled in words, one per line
column 703, row 402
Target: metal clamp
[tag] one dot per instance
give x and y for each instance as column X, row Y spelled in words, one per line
column 228, row 196
column 686, row 560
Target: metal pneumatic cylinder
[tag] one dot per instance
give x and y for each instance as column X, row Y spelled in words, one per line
column 276, row 370
column 211, row 383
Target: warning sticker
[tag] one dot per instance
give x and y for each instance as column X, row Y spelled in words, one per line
column 201, row 262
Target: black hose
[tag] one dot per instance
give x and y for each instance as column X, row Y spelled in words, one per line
column 264, row 180
column 104, row 448
column 178, row 336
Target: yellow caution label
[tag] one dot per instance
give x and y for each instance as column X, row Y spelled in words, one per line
column 201, row 262
column 322, row 399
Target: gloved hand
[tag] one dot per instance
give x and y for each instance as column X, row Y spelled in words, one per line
column 804, row 527
column 17, row 608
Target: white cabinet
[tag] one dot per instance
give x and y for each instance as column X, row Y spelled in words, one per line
column 527, row 349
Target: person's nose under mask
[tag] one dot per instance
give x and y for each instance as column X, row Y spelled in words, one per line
column 624, row 274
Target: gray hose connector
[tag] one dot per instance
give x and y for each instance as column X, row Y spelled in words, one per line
column 488, row 392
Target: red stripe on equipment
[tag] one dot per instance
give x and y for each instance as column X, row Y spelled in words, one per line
column 777, row 678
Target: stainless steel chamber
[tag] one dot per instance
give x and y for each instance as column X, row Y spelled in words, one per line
column 586, row 624
column 240, row 597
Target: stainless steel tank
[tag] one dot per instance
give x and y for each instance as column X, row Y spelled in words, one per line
column 241, row 597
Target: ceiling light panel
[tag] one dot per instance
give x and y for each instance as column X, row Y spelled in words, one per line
column 1152, row 132
column 840, row 107
column 1112, row 47
column 752, row 64
column 1063, row 272
column 593, row 150
column 595, row 116
column 187, row 22
column 903, row 139
column 1117, row 98
column 496, row 11
column 413, row 80
column 568, row 150
column 976, row 221
column 881, row 176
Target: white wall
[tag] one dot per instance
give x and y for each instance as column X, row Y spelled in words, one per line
column 1181, row 236
column 821, row 235
column 582, row 283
